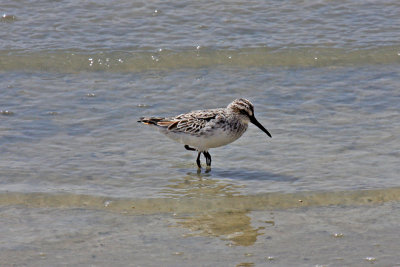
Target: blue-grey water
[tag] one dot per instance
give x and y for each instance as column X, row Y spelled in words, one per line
column 324, row 77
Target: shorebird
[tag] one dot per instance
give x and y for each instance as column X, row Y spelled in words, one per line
column 201, row 130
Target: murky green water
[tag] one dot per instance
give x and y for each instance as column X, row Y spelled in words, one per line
column 79, row 176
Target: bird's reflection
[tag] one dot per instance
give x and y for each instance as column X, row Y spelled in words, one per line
column 234, row 226
column 199, row 185
column 240, row 174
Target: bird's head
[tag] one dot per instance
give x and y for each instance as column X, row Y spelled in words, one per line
column 245, row 109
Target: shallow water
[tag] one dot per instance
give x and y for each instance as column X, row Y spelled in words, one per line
column 333, row 129
column 76, row 76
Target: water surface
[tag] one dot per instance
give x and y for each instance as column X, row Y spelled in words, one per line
column 77, row 170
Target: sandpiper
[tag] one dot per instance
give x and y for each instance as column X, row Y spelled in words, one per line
column 201, row 130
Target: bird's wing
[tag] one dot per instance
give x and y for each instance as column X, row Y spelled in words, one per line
column 192, row 122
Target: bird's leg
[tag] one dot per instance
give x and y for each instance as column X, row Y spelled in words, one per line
column 198, row 155
column 190, row 148
column 208, row 161
column 208, row 158
column 198, row 160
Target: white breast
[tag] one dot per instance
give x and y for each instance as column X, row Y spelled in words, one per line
column 202, row 142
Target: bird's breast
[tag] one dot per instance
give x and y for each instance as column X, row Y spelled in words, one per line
column 215, row 134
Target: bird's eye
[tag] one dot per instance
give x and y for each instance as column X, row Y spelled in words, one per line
column 244, row 112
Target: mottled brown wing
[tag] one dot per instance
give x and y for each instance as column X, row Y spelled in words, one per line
column 192, row 122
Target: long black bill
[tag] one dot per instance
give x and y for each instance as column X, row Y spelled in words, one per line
column 256, row 123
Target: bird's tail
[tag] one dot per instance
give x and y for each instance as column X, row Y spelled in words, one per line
column 150, row 120
column 160, row 122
